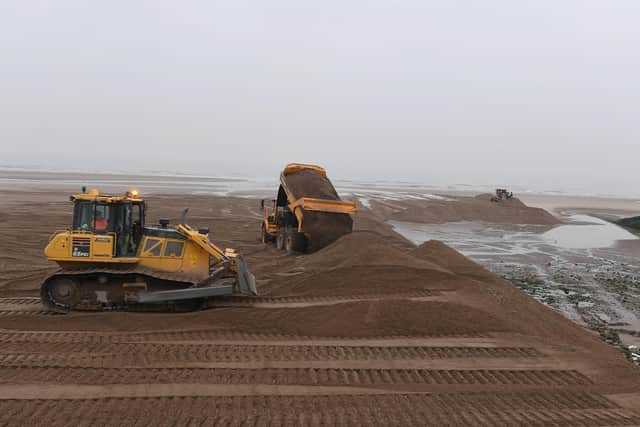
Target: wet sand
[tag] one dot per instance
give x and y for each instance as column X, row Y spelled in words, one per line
column 558, row 204
column 369, row 330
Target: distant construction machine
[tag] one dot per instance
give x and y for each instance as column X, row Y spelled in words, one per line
column 307, row 213
column 502, row 194
column 110, row 260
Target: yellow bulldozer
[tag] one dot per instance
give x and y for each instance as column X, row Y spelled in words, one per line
column 111, row 260
column 307, row 213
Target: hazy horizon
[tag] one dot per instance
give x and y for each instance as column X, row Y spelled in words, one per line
column 541, row 94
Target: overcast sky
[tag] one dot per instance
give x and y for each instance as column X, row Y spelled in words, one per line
column 542, row 93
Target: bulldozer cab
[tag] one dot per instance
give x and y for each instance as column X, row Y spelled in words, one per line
column 124, row 219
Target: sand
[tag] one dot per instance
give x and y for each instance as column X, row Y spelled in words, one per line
column 604, row 205
column 476, row 208
column 307, row 183
column 369, row 330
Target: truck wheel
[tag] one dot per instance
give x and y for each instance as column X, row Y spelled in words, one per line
column 294, row 242
column 280, row 239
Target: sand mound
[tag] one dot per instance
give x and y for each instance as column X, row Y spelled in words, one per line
column 369, row 319
column 498, row 296
column 325, row 228
column 366, row 280
column 363, row 248
column 479, row 208
column 510, row 202
column 448, row 258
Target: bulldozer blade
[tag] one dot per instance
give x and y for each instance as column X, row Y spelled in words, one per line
column 246, row 280
column 184, row 294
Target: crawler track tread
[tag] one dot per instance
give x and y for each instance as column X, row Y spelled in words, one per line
column 7, row 336
column 292, row 376
column 531, row 408
column 20, row 300
column 99, row 354
column 9, row 313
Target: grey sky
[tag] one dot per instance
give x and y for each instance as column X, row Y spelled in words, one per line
column 543, row 93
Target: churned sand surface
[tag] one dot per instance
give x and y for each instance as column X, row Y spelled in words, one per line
column 370, row 330
column 461, row 208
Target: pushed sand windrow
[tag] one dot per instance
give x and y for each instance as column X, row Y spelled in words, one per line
column 479, row 208
column 362, row 248
column 361, row 319
column 368, row 280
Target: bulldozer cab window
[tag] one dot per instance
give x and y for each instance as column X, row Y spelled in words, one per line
column 152, row 247
column 92, row 217
column 173, row 249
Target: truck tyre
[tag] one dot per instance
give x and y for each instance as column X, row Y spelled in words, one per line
column 280, row 239
column 294, row 241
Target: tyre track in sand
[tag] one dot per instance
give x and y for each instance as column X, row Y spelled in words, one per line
column 533, row 409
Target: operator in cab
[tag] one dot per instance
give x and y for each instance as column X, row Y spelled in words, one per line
column 100, row 224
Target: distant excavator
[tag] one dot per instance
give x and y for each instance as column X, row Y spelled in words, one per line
column 502, row 194
column 110, row 260
column 307, row 213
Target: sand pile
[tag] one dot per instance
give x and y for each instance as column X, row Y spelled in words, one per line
column 500, row 298
column 359, row 264
column 479, row 208
column 448, row 258
column 325, row 227
column 367, row 319
column 369, row 280
column 363, row 248
column 307, row 183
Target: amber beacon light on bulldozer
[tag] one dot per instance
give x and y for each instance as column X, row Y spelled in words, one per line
column 111, row 260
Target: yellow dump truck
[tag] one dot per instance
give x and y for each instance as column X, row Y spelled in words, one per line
column 307, row 213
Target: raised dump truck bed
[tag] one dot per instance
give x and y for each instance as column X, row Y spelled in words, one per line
column 307, row 213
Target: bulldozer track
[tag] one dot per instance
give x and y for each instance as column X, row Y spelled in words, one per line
column 97, row 355
column 532, row 409
column 308, row 301
column 176, row 279
column 32, row 305
column 7, row 313
column 20, row 300
column 24, row 306
column 294, row 376
column 7, row 336
column 29, row 306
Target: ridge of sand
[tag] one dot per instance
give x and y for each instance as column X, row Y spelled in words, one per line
column 478, row 208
